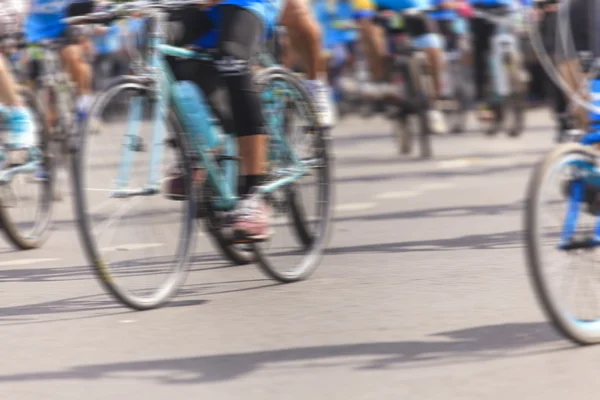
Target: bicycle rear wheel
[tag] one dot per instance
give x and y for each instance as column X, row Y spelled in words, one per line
column 31, row 231
column 516, row 104
column 422, row 90
column 295, row 257
column 567, row 173
column 406, row 128
column 155, row 249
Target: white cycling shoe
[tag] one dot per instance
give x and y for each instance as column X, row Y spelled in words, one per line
column 323, row 100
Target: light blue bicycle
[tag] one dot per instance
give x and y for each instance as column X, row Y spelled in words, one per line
column 25, row 202
column 183, row 132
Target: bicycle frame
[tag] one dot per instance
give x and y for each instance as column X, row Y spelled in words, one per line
column 223, row 179
column 587, row 175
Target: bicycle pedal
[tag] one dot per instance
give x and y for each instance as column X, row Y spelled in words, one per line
column 239, row 238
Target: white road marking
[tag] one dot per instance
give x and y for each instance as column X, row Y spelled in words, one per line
column 436, row 186
column 26, row 261
column 398, row 195
column 132, row 246
column 355, row 206
column 127, row 321
column 459, row 163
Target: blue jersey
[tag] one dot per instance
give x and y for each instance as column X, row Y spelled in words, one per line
column 345, row 13
column 401, row 5
column 324, row 15
column 44, row 19
column 135, row 29
column 441, row 14
column 109, row 42
column 267, row 11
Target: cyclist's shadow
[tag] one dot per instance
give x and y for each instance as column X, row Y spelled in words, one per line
column 472, row 344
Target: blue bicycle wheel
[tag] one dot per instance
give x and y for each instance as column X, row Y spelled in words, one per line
column 562, row 233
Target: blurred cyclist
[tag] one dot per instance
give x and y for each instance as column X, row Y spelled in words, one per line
column 424, row 35
column 19, row 121
column 44, row 21
column 482, row 31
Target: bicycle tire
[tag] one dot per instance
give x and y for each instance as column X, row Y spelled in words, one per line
column 41, row 229
column 417, row 66
column 179, row 271
column 458, row 115
column 516, row 103
column 547, row 300
column 404, row 134
column 314, row 242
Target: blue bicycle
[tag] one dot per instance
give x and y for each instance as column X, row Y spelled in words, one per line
column 183, row 132
column 562, row 227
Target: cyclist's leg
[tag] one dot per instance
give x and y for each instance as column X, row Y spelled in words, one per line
column 481, row 31
column 425, row 36
column 20, row 121
column 74, row 60
column 240, row 35
column 567, row 60
column 373, row 41
column 305, row 36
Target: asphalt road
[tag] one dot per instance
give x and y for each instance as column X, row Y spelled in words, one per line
column 423, row 294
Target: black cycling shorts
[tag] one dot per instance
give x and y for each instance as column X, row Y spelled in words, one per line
column 230, row 91
column 79, row 8
column 448, row 31
column 581, row 35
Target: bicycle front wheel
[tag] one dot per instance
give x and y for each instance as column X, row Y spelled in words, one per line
column 420, row 85
column 26, row 200
column 561, row 225
column 136, row 232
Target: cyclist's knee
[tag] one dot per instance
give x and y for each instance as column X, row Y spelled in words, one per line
column 302, row 24
column 295, row 13
column 71, row 54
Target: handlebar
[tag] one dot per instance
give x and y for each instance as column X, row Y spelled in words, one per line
column 505, row 20
column 123, row 10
